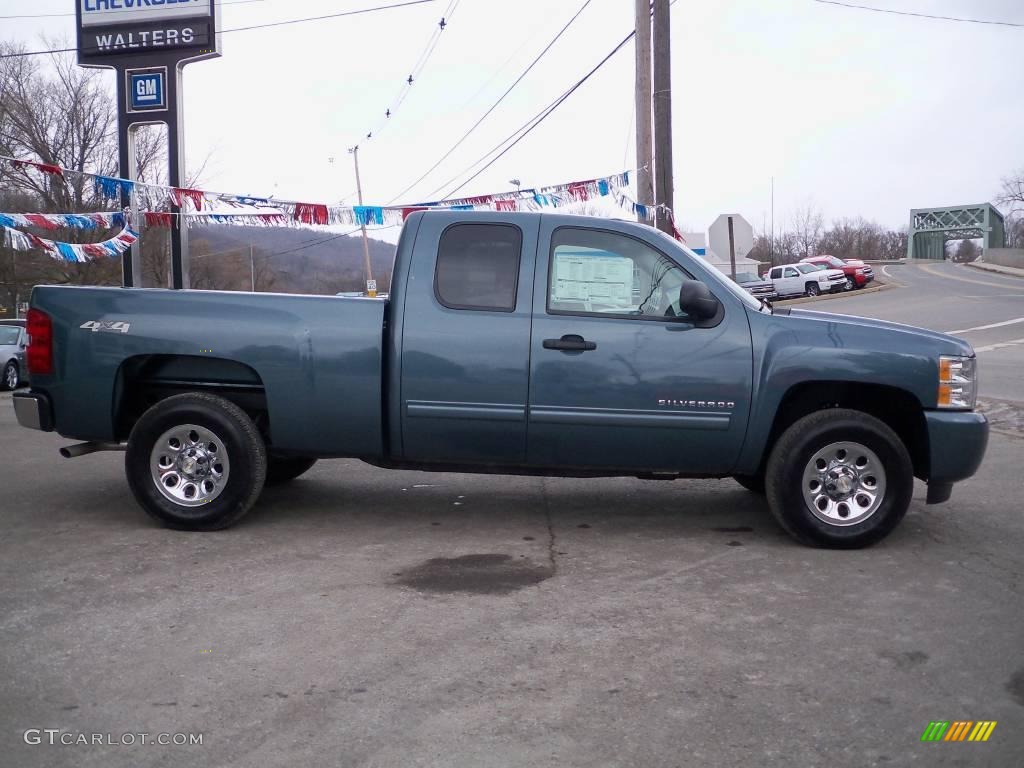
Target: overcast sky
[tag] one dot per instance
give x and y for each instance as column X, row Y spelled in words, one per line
column 861, row 113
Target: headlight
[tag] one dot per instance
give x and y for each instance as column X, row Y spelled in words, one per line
column 958, row 382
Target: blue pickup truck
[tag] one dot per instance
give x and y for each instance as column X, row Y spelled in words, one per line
column 511, row 343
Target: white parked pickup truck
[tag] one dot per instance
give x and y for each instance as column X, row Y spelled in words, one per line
column 805, row 280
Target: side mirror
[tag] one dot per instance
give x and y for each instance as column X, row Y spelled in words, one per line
column 697, row 301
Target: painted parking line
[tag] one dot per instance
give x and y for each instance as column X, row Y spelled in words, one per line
column 1000, row 345
column 892, row 280
column 990, row 325
column 949, row 276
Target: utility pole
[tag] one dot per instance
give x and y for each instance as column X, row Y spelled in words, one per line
column 366, row 243
column 732, row 251
column 663, row 186
column 644, row 140
column 771, row 246
column 252, row 269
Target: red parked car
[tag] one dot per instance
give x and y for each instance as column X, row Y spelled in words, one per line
column 858, row 274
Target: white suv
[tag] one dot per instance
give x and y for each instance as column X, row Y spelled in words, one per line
column 805, row 279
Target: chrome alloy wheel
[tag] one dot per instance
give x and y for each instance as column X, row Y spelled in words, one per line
column 11, row 376
column 844, row 484
column 189, row 465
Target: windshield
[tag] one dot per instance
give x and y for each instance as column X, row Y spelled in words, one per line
column 808, row 268
column 834, row 262
column 9, row 334
column 747, row 277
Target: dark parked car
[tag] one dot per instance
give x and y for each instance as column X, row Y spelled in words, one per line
column 13, row 372
column 756, row 286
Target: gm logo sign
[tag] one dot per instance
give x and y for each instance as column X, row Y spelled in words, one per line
column 147, row 89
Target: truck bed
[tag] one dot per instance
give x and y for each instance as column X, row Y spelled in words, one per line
column 317, row 358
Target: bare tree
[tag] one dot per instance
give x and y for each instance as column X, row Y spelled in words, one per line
column 807, row 223
column 1011, row 194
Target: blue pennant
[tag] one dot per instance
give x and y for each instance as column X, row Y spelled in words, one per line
column 67, row 252
column 369, row 214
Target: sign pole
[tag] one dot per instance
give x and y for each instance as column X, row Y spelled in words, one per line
column 176, row 178
column 148, row 46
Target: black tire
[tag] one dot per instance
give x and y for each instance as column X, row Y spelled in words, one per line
column 282, row 469
column 11, row 376
column 791, row 457
column 753, row 483
column 812, row 289
column 240, row 444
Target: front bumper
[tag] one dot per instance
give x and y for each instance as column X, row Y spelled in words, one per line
column 956, row 444
column 33, row 410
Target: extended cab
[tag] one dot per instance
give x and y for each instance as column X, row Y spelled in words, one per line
column 511, row 343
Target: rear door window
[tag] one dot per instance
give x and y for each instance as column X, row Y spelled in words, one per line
column 478, row 267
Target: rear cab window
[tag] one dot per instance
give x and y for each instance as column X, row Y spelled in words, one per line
column 478, row 267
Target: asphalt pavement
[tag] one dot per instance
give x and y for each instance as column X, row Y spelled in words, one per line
column 360, row 617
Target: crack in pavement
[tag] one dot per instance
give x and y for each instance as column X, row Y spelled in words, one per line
column 551, row 526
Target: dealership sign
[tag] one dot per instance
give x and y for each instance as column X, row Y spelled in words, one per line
column 100, row 12
column 112, row 28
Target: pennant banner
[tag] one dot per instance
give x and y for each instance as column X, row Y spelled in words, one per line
column 23, row 241
column 63, row 220
column 204, row 207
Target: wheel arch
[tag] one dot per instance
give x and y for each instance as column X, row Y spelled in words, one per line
column 898, row 408
column 144, row 380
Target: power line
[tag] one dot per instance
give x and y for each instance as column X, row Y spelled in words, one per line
column 494, row 106
column 327, row 16
column 920, row 15
column 417, row 68
column 329, row 239
column 542, row 116
column 253, row 26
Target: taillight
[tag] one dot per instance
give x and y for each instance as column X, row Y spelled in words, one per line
column 40, row 343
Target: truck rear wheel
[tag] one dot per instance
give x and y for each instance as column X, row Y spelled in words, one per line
column 281, row 469
column 839, row 478
column 196, row 462
column 812, row 289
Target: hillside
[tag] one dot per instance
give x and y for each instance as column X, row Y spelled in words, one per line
column 299, row 260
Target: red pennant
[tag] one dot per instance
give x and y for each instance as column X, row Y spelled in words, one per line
column 406, row 212
column 311, row 213
column 578, row 191
column 45, row 167
column 41, row 221
column 159, row 219
column 94, row 250
column 180, row 195
column 506, row 205
column 40, row 243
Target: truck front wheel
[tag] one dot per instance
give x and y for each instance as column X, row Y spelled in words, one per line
column 196, row 462
column 839, row 478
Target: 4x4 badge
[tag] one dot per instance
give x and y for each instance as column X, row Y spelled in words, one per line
column 108, row 326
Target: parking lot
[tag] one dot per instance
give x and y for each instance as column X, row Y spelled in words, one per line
column 361, row 617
